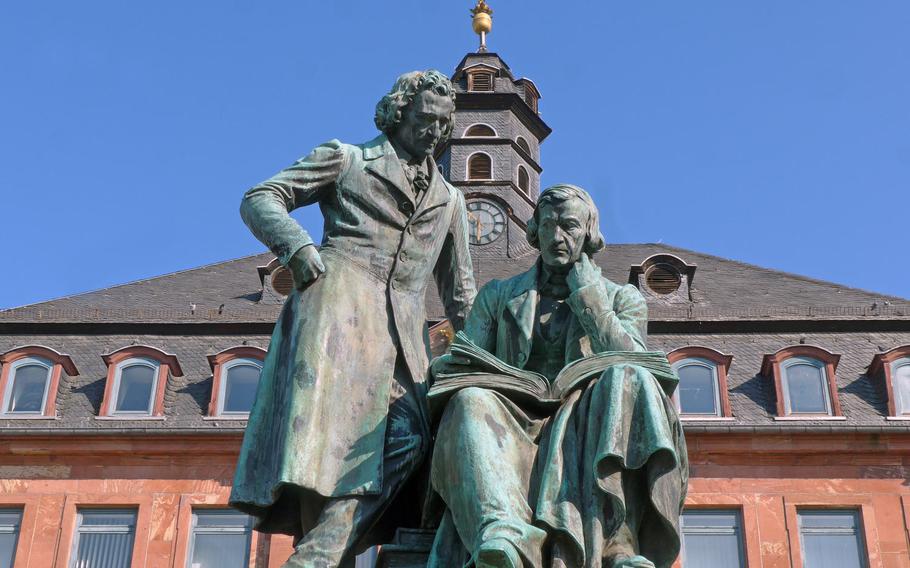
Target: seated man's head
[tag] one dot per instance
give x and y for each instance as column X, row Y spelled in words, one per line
column 417, row 113
column 565, row 225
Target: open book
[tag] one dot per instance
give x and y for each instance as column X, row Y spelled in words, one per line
column 472, row 366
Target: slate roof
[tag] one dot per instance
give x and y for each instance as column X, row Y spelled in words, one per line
column 229, row 291
column 85, row 326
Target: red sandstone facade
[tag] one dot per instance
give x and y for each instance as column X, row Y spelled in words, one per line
column 766, row 477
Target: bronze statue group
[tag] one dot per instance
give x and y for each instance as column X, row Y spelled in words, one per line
column 341, row 447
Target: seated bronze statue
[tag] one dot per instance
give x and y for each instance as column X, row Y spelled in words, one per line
column 600, row 478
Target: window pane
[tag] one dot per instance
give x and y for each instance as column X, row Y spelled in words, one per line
column 901, row 383
column 240, row 389
column 29, row 385
column 367, row 559
column 806, row 388
column 9, row 535
column 831, row 539
column 135, row 391
column 712, row 539
column 697, row 390
column 104, row 539
column 221, row 539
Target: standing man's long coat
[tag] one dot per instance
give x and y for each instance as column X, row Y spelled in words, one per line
column 317, row 426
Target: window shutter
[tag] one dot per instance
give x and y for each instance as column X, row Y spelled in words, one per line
column 481, row 81
column 480, row 166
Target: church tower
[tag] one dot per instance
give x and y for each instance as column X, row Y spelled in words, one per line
column 493, row 155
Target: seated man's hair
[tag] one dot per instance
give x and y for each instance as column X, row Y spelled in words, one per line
column 406, row 87
column 594, row 240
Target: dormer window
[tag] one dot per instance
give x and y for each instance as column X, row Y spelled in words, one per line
column 665, row 278
column 479, row 131
column 29, row 381
column 480, row 81
column 480, row 166
column 702, row 390
column 804, row 381
column 134, row 385
column 531, row 99
column 893, row 368
column 235, row 375
column 136, row 380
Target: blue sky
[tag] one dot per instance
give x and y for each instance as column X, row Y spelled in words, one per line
column 773, row 132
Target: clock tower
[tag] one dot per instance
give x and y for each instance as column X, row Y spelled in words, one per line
column 493, row 155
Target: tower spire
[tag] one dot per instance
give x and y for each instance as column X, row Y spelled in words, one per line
column 482, row 22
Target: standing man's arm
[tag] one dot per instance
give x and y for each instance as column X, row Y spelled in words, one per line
column 265, row 208
column 454, row 272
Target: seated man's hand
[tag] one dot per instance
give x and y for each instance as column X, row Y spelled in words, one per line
column 583, row 273
column 305, row 266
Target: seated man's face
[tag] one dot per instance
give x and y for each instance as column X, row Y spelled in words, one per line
column 423, row 123
column 561, row 232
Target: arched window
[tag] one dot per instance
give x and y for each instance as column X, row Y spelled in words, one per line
column 804, row 380
column 235, row 374
column 134, row 386
column 136, row 380
column 524, row 182
column 479, row 131
column 29, row 380
column 702, row 389
column 480, row 166
column 523, row 144
column 893, row 366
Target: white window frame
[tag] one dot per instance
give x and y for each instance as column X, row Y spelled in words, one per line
column 737, row 530
column 80, row 529
column 222, row 383
column 115, row 392
column 857, row 531
column 901, row 407
column 525, row 140
column 785, row 384
column 464, row 133
column 11, row 382
column 194, row 529
column 701, row 362
column 15, row 529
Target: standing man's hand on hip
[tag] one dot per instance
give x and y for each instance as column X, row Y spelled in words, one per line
column 306, row 266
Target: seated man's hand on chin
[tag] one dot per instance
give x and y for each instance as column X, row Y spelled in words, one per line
column 583, row 273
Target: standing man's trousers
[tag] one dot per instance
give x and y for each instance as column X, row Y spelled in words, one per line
column 345, row 521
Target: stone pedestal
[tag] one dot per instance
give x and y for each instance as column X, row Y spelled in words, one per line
column 409, row 549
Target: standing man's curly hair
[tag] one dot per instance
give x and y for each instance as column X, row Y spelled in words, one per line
column 406, row 87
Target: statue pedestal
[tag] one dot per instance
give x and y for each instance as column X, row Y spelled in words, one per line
column 409, row 549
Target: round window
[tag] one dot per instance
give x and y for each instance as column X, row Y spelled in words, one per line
column 663, row 278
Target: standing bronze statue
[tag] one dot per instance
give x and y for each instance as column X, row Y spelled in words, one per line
column 339, row 422
column 600, row 478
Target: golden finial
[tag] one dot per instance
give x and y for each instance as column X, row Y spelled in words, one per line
column 482, row 22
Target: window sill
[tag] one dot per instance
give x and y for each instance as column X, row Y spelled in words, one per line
column 696, row 418
column 26, row 417
column 231, row 418
column 809, row 418
column 128, row 417
column 897, row 418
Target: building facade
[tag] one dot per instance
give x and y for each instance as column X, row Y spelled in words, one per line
column 123, row 409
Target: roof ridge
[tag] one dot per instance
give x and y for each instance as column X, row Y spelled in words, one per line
column 130, row 283
column 793, row 275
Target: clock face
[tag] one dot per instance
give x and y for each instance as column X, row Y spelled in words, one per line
column 486, row 221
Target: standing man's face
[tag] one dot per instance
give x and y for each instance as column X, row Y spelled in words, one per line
column 423, row 123
column 561, row 232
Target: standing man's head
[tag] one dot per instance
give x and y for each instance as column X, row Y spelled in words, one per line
column 417, row 112
column 564, row 226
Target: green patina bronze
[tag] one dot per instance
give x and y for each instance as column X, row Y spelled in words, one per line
column 598, row 481
column 339, row 423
